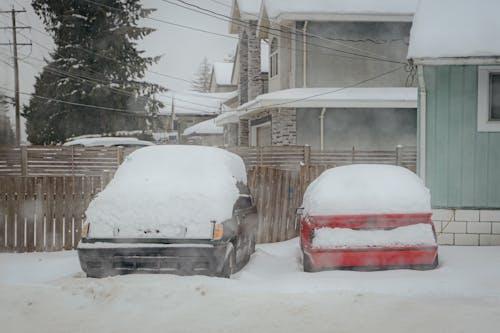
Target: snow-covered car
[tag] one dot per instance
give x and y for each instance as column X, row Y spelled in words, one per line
column 171, row 209
column 367, row 217
column 107, row 141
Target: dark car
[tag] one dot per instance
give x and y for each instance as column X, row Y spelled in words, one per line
column 171, row 209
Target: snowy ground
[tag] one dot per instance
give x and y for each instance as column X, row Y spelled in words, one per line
column 47, row 292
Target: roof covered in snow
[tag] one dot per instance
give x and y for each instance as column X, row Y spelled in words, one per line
column 153, row 192
column 455, row 29
column 243, row 10
column 108, row 141
column 335, row 97
column 328, row 10
column 366, row 189
column 229, row 117
column 207, row 127
column 222, row 73
column 194, row 103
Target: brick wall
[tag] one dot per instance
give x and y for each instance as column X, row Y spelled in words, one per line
column 467, row 227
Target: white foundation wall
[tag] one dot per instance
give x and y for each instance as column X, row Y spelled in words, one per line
column 467, row 226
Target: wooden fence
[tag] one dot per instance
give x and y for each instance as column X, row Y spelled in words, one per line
column 59, row 160
column 96, row 161
column 44, row 191
column 44, row 213
column 292, row 157
column 277, row 194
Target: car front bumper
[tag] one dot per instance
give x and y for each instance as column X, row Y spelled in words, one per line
column 100, row 259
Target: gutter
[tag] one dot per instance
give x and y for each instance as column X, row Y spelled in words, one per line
column 322, row 129
column 422, row 122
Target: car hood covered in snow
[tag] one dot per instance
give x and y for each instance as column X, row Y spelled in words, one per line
column 168, row 192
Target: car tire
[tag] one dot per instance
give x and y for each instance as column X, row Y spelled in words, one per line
column 434, row 265
column 230, row 265
column 307, row 264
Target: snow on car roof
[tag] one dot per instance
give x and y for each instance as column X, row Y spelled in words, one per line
column 366, row 189
column 107, row 142
column 168, row 189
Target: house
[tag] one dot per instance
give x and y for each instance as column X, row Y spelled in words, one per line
column 338, row 74
column 220, row 78
column 205, row 133
column 459, row 115
column 186, row 109
column 230, row 121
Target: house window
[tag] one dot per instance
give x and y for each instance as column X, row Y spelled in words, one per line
column 273, row 71
column 488, row 105
column 494, row 96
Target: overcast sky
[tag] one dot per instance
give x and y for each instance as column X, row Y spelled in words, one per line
column 182, row 49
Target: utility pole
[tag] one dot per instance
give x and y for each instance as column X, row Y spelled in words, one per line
column 15, row 44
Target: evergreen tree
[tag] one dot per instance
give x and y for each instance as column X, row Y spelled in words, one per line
column 7, row 136
column 201, row 82
column 96, row 62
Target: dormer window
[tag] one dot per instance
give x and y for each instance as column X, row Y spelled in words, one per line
column 488, row 106
column 273, row 70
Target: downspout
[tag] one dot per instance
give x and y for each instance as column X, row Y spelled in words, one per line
column 304, row 56
column 322, row 129
column 422, row 122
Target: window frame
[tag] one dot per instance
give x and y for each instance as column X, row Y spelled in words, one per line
column 274, row 58
column 484, row 121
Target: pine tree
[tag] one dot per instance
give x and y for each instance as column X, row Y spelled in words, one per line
column 96, row 62
column 201, row 82
column 7, row 136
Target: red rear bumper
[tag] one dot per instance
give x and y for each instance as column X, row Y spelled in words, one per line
column 419, row 257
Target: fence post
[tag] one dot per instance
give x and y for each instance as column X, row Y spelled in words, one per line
column 399, row 157
column 24, row 161
column 119, row 156
column 353, row 154
column 307, row 155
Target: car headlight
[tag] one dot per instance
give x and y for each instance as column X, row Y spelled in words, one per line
column 85, row 230
column 218, row 231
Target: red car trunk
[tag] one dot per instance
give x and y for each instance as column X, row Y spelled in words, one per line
column 373, row 257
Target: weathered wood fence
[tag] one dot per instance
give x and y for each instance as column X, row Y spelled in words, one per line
column 60, row 160
column 277, row 194
column 292, row 157
column 44, row 213
column 44, row 191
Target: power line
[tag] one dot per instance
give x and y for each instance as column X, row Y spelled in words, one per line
column 119, row 62
column 245, row 24
column 50, row 99
column 93, row 81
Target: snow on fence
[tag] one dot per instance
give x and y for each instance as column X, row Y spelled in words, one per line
column 60, row 160
column 277, row 194
column 44, row 213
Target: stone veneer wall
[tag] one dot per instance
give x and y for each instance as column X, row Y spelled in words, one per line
column 243, row 133
column 284, row 127
column 467, row 226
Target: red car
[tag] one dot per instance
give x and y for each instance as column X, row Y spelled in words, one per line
column 367, row 217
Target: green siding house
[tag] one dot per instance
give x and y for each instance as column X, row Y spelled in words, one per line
column 455, row 45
